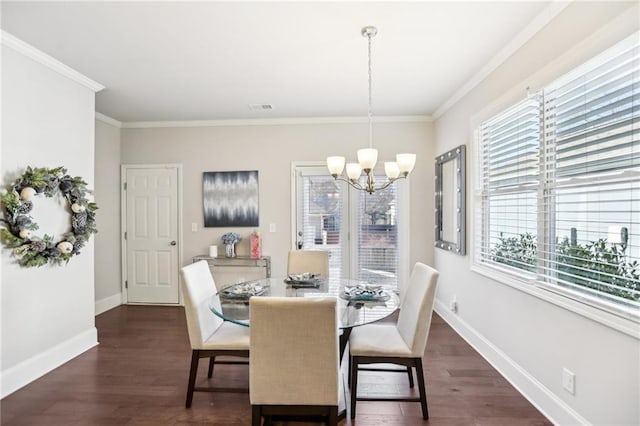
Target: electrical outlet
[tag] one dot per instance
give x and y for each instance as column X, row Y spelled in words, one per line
column 453, row 305
column 569, row 381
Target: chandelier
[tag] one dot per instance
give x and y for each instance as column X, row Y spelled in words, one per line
column 367, row 157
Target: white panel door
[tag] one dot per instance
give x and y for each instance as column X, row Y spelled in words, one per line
column 152, row 235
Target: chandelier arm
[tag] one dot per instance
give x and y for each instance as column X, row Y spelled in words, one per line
column 369, row 188
column 356, row 185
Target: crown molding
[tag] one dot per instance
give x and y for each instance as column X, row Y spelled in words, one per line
column 276, row 121
column 48, row 61
column 108, row 120
column 539, row 22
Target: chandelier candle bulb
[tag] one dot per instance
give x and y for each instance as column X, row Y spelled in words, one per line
column 336, row 165
column 391, row 169
column 368, row 157
column 406, row 162
column 353, row 171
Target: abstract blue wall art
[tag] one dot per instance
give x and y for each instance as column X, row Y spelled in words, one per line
column 230, row 198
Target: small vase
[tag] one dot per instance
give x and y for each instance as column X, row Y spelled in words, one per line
column 230, row 250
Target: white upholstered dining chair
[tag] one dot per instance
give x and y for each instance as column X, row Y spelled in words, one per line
column 209, row 335
column 403, row 343
column 208, row 278
column 314, row 261
column 294, row 361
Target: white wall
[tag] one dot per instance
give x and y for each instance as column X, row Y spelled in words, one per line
column 48, row 312
column 107, row 196
column 526, row 337
column 270, row 149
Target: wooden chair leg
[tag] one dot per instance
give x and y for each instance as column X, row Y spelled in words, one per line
column 212, row 361
column 410, row 373
column 333, row 416
column 256, row 416
column 422, row 389
column 354, row 385
column 195, row 358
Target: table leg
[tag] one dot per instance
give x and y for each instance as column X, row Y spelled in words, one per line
column 344, row 339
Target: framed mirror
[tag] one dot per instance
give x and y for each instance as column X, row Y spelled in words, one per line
column 450, row 200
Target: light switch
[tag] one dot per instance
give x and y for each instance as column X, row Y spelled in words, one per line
column 194, row 227
column 272, row 227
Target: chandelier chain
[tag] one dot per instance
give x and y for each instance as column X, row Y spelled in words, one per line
column 369, row 114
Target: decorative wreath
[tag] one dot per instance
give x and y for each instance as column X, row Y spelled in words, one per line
column 16, row 205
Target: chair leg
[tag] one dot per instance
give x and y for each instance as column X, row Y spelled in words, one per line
column 421, row 388
column 354, row 385
column 256, row 416
column 212, row 361
column 333, row 416
column 195, row 358
column 410, row 373
column 349, row 366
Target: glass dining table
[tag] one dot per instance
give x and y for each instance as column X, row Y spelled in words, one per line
column 359, row 303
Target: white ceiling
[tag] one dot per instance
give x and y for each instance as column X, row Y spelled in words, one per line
column 178, row 61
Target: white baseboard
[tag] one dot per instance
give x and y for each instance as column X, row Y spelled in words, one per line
column 553, row 407
column 103, row 305
column 37, row 366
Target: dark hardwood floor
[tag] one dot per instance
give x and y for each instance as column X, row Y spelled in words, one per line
column 138, row 376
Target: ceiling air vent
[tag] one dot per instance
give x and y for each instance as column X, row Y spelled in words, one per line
column 260, row 107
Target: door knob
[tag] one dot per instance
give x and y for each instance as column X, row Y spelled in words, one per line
column 173, row 243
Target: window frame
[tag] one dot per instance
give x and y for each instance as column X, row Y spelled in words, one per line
column 609, row 313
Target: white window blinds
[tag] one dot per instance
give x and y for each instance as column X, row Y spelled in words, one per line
column 592, row 128
column 506, row 199
column 377, row 233
column 321, row 217
column 558, row 190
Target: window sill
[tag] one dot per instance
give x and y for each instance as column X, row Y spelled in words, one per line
column 623, row 322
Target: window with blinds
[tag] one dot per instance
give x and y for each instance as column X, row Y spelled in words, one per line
column 562, row 204
column 321, row 216
column 592, row 128
column 377, row 232
column 509, row 179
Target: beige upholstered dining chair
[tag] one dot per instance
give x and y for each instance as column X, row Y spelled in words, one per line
column 209, row 335
column 416, row 277
column 402, row 343
column 314, row 261
column 293, row 371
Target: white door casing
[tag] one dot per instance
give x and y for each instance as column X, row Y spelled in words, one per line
column 151, row 233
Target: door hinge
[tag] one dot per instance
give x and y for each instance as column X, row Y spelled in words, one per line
column 125, row 235
column 126, row 284
column 125, row 186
